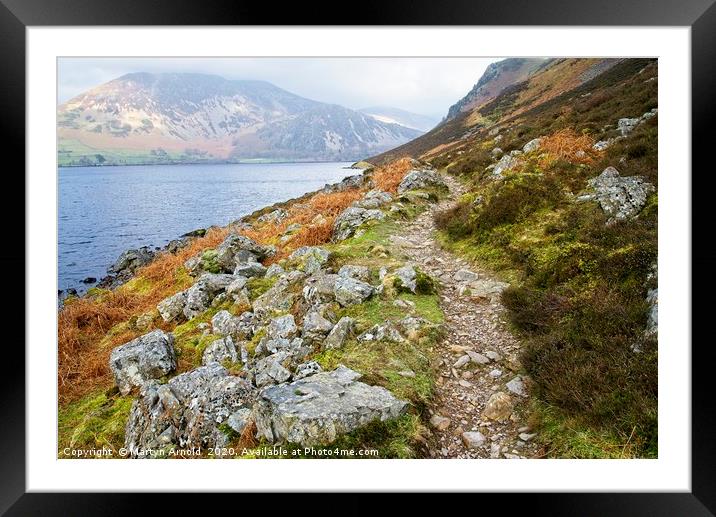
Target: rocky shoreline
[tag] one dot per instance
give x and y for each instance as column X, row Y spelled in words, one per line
column 269, row 338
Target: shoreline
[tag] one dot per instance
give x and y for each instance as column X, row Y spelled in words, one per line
column 82, row 288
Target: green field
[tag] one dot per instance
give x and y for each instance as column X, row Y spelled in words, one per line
column 72, row 153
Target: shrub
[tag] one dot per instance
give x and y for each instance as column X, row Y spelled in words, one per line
column 388, row 177
column 567, row 144
column 516, row 198
column 585, row 364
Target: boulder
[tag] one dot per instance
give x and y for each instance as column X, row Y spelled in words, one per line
column 276, row 216
column 493, row 356
column 386, row 332
column 619, row 197
column 496, row 152
column 193, row 264
column 462, row 361
column 439, row 422
column 603, row 144
column 307, row 369
column 233, row 244
column 274, row 270
column 487, row 288
column 315, row 326
column 172, row 307
column 349, row 291
column 187, row 411
column 220, row 350
column 244, row 256
column 282, row 327
column 175, row 245
column 150, row 356
column 420, row 179
column 250, row 270
column 351, row 218
column 319, row 408
column 200, row 295
column 627, row 125
column 348, row 183
column 268, row 346
column 310, row 259
column 238, row 327
column 131, row 260
column 361, row 273
column 340, row 332
column 374, row 199
column 532, row 145
column 477, row 358
column 272, row 369
column 408, row 277
column 238, row 420
column 505, row 164
column 223, row 323
column 320, row 288
column 236, row 290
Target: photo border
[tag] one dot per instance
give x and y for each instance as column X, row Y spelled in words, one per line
column 16, row 15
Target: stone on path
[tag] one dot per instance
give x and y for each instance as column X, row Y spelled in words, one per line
column 498, row 407
column 439, row 422
column 473, row 439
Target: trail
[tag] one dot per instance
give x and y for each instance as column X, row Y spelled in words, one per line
column 473, row 323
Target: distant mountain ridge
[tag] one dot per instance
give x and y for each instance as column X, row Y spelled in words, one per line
column 497, row 77
column 174, row 117
column 404, row 118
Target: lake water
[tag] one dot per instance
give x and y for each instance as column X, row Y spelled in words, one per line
column 106, row 210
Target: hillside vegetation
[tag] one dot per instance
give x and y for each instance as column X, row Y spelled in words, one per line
column 580, row 279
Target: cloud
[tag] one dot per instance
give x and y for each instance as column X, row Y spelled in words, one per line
column 422, row 85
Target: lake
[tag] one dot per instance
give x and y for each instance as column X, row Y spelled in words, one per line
column 106, row 210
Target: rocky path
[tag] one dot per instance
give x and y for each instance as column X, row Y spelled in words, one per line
column 480, row 403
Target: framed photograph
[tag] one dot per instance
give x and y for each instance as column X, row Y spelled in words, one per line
column 456, row 245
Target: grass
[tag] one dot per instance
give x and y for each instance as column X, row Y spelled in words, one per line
column 567, row 437
column 74, row 153
column 96, row 420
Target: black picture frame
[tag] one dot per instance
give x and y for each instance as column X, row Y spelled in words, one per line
column 700, row 15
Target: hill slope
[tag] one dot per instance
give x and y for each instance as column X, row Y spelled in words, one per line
column 143, row 117
column 561, row 201
column 507, row 88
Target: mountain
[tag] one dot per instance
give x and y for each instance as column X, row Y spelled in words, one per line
column 496, row 78
column 180, row 117
column 404, row 118
column 506, row 90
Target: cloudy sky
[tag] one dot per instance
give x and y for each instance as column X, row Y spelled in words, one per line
column 427, row 86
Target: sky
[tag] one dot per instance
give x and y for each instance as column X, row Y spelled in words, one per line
column 428, row 86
